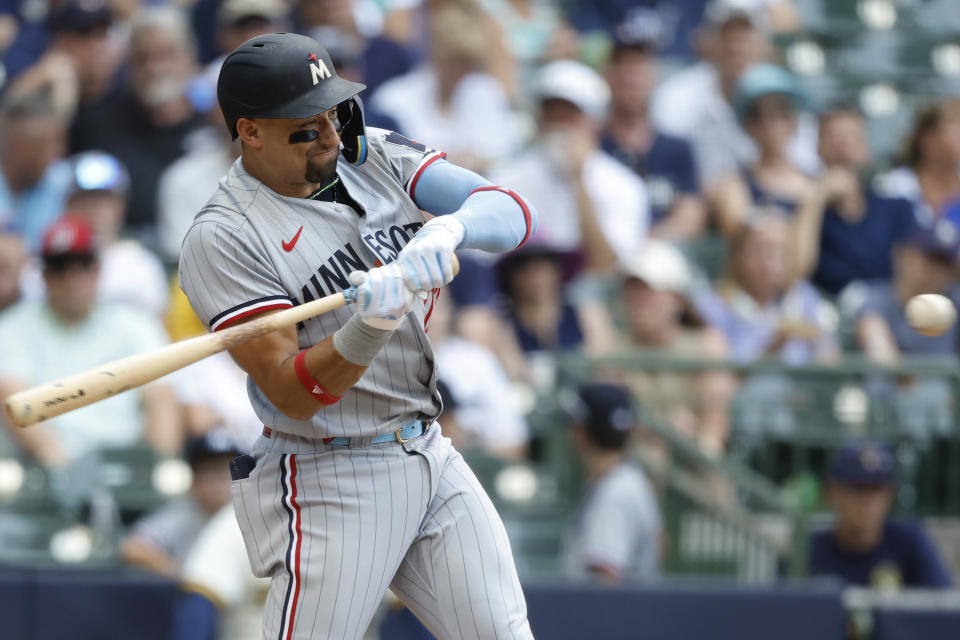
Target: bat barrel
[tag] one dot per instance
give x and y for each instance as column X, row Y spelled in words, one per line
column 75, row 391
column 49, row 400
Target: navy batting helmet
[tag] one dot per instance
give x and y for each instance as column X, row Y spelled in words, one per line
column 286, row 75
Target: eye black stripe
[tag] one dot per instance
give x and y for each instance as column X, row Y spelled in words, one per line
column 307, row 135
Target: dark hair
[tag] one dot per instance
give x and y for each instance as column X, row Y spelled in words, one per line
column 509, row 265
column 782, row 99
column 925, row 120
column 606, row 438
column 619, row 49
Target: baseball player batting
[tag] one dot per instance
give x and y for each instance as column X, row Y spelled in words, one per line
column 352, row 489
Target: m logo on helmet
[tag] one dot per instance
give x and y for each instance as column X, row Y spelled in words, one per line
column 318, row 70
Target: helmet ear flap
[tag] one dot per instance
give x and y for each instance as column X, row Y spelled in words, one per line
column 353, row 133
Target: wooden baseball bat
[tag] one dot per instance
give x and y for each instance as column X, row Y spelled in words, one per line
column 45, row 401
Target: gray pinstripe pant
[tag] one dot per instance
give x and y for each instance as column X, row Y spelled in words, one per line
column 335, row 526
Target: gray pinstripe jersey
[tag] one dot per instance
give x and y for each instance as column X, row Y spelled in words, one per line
column 251, row 249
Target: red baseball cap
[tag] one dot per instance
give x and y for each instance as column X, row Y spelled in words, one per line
column 70, row 234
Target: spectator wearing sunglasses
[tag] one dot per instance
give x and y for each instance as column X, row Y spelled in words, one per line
column 70, row 331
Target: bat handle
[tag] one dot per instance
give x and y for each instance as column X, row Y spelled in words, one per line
column 350, row 293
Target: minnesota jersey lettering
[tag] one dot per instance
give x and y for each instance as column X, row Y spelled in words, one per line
column 247, row 226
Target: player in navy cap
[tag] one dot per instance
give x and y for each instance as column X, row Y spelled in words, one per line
column 863, row 547
column 616, row 535
column 365, row 493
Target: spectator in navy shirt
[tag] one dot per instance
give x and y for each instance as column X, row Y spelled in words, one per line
column 924, row 263
column 532, row 283
column 863, row 547
column 844, row 230
column 683, row 18
column 665, row 163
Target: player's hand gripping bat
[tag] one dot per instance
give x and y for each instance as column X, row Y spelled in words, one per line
column 45, row 401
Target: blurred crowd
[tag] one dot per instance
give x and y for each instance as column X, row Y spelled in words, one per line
column 642, row 131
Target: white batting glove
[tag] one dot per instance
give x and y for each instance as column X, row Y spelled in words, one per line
column 383, row 298
column 427, row 260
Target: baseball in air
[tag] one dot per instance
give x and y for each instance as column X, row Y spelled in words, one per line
column 930, row 313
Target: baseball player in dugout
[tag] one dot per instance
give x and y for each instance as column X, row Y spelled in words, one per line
column 352, row 488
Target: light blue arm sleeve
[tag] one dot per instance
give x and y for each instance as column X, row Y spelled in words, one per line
column 495, row 219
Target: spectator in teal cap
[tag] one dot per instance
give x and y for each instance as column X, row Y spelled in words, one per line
column 767, row 101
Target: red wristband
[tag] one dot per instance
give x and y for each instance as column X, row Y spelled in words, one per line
column 313, row 387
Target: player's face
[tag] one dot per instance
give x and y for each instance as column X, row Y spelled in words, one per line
column 322, row 152
column 861, row 510
column 302, row 150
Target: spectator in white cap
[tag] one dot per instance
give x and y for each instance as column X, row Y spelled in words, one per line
column 697, row 103
column 653, row 315
column 593, row 204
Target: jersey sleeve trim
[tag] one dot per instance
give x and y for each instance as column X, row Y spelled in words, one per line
column 235, row 314
column 428, row 159
column 527, row 218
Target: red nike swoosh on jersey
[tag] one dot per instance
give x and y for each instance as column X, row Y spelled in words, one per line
column 288, row 246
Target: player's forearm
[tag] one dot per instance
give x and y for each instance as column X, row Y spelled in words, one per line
column 325, row 371
column 329, row 370
column 494, row 218
column 271, row 362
